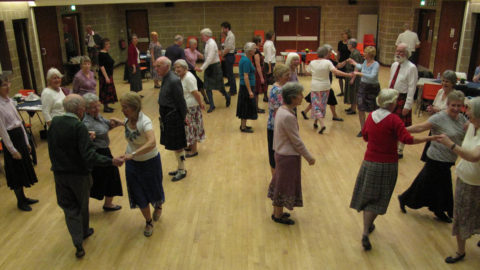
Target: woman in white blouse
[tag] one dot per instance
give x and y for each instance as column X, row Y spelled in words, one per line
column 449, row 79
column 52, row 96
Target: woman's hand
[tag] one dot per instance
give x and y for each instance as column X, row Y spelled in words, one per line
column 198, row 69
column 127, row 157
column 29, row 149
column 107, row 80
column 262, row 80
column 202, row 106
column 134, row 70
column 92, row 135
column 443, row 139
column 17, row 155
column 250, row 94
column 311, row 162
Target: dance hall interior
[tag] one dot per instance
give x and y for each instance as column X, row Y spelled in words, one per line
column 216, row 209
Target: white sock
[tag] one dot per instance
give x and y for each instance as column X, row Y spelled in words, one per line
column 181, row 160
column 400, row 147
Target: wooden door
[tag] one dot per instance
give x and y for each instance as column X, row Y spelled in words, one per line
column 71, row 26
column 426, row 24
column 475, row 55
column 49, row 38
column 449, row 36
column 137, row 23
column 24, row 55
column 297, row 28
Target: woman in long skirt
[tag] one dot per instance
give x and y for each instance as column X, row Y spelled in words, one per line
column 135, row 75
column 246, row 107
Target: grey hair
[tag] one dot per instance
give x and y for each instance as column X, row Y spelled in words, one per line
column 89, row 98
column 290, row 90
column 455, row 95
column 353, row 42
column 450, row 76
column 192, row 41
column 178, row 38
column 53, row 72
column 134, row 36
column 182, row 63
column 249, row 46
column 474, row 106
column 84, row 59
column 206, row 32
column 407, row 52
column 328, row 46
column 72, row 103
column 322, row 51
column 386, row 97
column 165, row 61
column 290, row 57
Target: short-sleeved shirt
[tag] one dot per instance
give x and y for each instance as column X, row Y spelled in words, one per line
column 466, row 170
column 454, row 129
column 100, row 126
column 320, row 70
column 137, row 137
column 274, row 102
column 189, row 84
column 438, row 102
column 246, row 66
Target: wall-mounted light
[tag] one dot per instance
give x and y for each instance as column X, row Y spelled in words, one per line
column 73, row 8
column 422, row 3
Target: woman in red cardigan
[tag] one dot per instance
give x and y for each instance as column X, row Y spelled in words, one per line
column 134, row 65
column 378, row 173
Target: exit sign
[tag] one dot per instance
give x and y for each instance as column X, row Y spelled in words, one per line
column 429, row 3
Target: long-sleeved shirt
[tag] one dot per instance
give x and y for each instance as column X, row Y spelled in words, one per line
column 101, row 127
column 175, row 52
column 269, row 51
column 211, row 54
column 171, row 94
column 286, row 138
column 83, row 85
column 133, row 55
column 229, row 43
column 370, row 73
column 52, row 103
column 9, row 119
column 406, row 82
column 70, row 148
column 191, row 56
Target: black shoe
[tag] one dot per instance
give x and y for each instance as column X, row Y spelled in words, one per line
column 107, row 110
column 337, row 119
column 348, row 110
column 359, row 135
column 339, row 95
column 157, row 86
column 211, row 109
column 478, row 244
column 206, row 101
column 283, row 220
column 304, row 115
column 173, row 173
column 322, row 130
column 89, row 233
column 246, row 130
column 232, row 93
column 260, row 111
column 371, row 229
column 284, row 215
column 30, row 201
column 191, row 155
column 400, row 156
column 351, row 112
column 315, row 126
column 111, row 209
column 24, row 207
column 141, row 96
column 366, row 243
column 265, row 99
column 455, row 259
column 247, row 127
column 179, row 176
column 80, row 252
column 227, row 103
column 402, row 205
column 442, row 217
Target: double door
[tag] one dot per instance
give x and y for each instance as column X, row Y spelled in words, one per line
column 297, row 28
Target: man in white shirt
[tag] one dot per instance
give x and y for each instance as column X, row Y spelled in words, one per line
column 403, row 78
column 411, row 39
column 269, row 62
column 228, row 54
column 212, row 68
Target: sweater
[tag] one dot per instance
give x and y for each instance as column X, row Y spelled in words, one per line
column 70, row 148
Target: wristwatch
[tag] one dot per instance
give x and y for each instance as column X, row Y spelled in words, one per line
column 133, row 153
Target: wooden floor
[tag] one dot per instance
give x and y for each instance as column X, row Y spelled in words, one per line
column 219, row 216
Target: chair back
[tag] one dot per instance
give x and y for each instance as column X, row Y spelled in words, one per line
column 430, row 91
column 360, row 48
column 310, row 57
column 368, row 40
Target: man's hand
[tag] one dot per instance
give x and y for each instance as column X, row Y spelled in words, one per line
column 118, row 161
column 405, row 112
column 17, row 155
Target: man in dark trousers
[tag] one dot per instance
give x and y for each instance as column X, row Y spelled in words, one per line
column 175, row 51
column 73, row 156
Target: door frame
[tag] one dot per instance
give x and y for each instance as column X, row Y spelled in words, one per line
column 475, row 44
column 419, row 25
column 80, row 32
column 24, row 54
column 126, row 20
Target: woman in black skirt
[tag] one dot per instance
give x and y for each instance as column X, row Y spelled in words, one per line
column 18, row 164
column 106, row 180
column 246, row 107
column 106, row 91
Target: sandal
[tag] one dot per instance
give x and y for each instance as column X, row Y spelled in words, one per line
column 283, row 220
column 455, row 259
column 148, row 229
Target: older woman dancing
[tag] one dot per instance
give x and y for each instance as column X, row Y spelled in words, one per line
column 191, row 55
column 246, row 107
column 143, row 168
column 433, row 185
column 194, row 128
column 320, row 69
column 84, row 81
column 449, row 80
column 106, row 180
column 155, row 51
column 351, row 88
column 281, row 73
column 52, row 96
column 285, row 189
column 18, row 165
column 466, row 213
column 369, row 86
column 292, row 61
column 378, row 174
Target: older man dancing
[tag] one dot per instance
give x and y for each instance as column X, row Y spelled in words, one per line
column 403, row 78
column 173, row 110
column 213, row 76
column 73, row 156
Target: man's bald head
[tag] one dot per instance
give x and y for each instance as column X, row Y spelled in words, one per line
column 162, row 65
column 74, row 103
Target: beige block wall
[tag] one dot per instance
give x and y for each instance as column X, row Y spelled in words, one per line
column 468, row 36
column 12, row 11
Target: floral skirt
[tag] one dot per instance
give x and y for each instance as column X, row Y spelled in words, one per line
column 466, row 212
column 319, row 103
column 194, row 129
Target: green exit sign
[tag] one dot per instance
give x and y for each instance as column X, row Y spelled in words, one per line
column 429, row 3
column 422, row 3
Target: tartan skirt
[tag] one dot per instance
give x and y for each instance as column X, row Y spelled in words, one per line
column 466, row 212
column 194, row 130
column 407, row 119
column 213, row 77
column 172, row 129
column 374, row 187
column 107, row 92
column 366, row 96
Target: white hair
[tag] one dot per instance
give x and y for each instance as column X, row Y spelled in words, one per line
column 386, row 97
column 89, row 98
column 178, row 38
column 206, row 32
column 53, row 72
column 249, row 46
column 182, row 63
column 290, row 57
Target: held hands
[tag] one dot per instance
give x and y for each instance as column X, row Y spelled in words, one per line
column 405, row 112
column 118, row 161
column 114, row 122
column 92, row 135
column 351, row 62
column 17, row 155
column 443, row 139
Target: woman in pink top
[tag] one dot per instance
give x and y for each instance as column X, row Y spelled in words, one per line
column 285, row 189
column 378, row 173
column 192, row 55
column 84, row 81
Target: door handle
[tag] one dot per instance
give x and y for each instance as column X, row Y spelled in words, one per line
column 44, row 51
column 454, row 45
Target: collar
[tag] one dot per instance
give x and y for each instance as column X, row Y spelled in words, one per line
column 6, row 100
column 379, row 114
column 69, row 114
